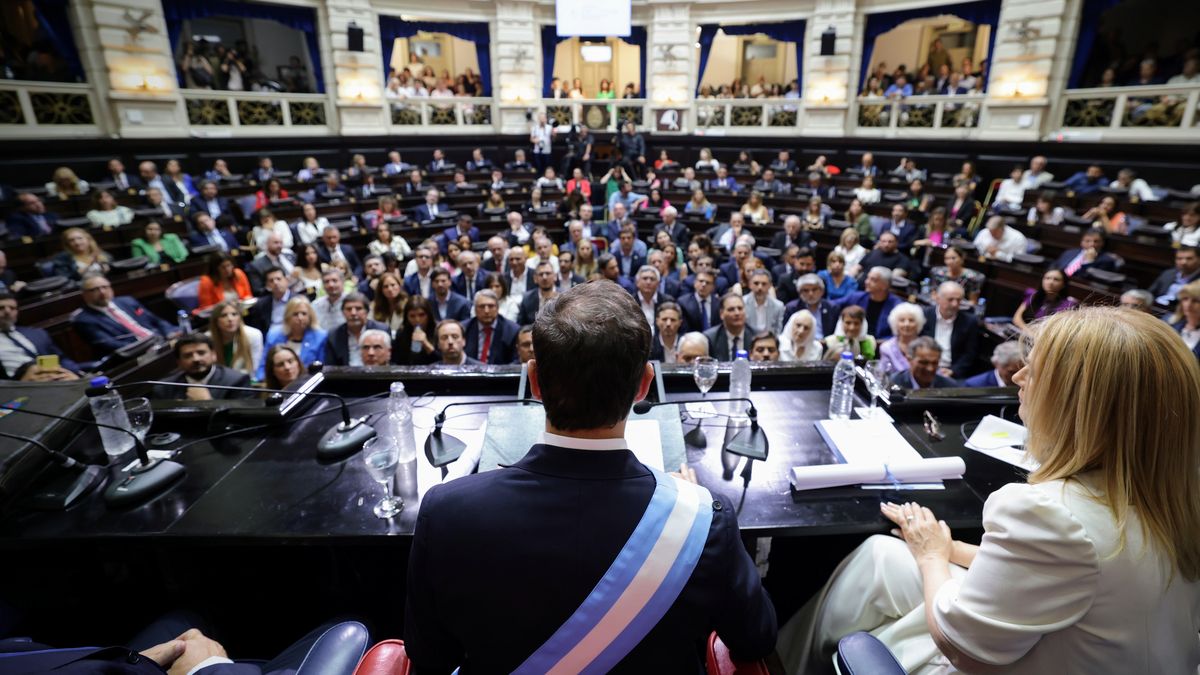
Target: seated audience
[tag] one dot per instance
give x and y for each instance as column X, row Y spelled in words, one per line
column 159, row 248
column 953, row 269
column 451, row 345
column 270, row 195
column 331, row 249
column 665, row 343
column 887, row 254
column 1036, row 175
column 208, row 234
column 1000, row 241
column 446, row 303
column 344, row 345
column 924, row 355
column 283, row 367
column 300, row 331
column 268, row 309
column 1089, row 255
column 20, row 347
column 764, row 347
column 853, row 337
column 107, row 322
column 1136, row 188
column 811, row 296
column 30, row 218
column 1186, row 230
column 1107, row 217
column 956, row 332
column 797, row 341
column 1186, row 270
column 764, row 314
column 64, row 184
column 1044, row 212
column 81, row 255
column 273, row 255
column 414, row 344
column 1137, row 300
column 9, row 283
column 489, row 336
column 327, row 308
column 838, row 284
column 389, row 302
column 1088, row 181
column 224, row 281
column 1186, row 320
column 308, row 271
column 266, row 226
column 171, row 210
column 105, row 211
column 197, row 360
column 906, row 321
column 730, row 335
column 1011, row 193
column 236, row 345
column 1007, row 359
column 876, row 301
column 1042, row 302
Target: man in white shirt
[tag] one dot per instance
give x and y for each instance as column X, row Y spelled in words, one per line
column 1011, row 193
column 1127, row 179
column 395, row 165
column 517, row 272
column 417, row 283
column 763, row 313
column 729, row 337
column 999, row 241
column 585, row 220
column 543, row 251
column 328, row 307
column 647, row 292
column 452, row 343
column 1037, row 175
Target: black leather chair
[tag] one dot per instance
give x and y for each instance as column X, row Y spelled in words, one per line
column 863, row 654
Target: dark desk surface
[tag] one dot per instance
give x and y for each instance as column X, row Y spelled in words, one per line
column 269, row 487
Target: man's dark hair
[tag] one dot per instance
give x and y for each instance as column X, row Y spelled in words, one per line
column 764, row 335
column 923, row 342
column 438, row 272
column 527, row 328
column 667, row 306
column 5, row 295
column 353, row 298
column 805, row 252
column 602, row 262
column 271, row 270
column 592, row 344
column 191, row 339
column 729, row 295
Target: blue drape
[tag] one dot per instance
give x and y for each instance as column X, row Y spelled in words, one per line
column 550, row 40
column 786, row 31
column 391, row 27
column 708, row 32
column 1089, row 26
column 56, row 28
column 984, row 12
column 303, row 19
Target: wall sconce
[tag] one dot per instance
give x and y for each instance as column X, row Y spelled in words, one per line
column 670, row 96
column 359, row 89
column 141, row 77
column 827, row 92
column 518, row 93
column 1018, row 85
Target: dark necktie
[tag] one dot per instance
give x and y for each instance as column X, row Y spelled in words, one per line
column 471, row 295
column 704, row 320
column 733, row 348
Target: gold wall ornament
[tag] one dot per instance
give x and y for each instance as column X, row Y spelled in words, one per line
column 442, row 115
column 307, row 113
column 260, row 113
column 745, row 116
column 871, row 116
column 917, row 116
column 482, row 115
column 208, row 112
column 405, row 115
column 559, row 115
column 630, row 114
column 595, row 116
column 10, row 108
column 783, row 118
column 51, row 108
column 1090, row 112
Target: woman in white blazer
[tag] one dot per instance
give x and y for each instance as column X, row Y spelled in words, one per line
column 1089, row 567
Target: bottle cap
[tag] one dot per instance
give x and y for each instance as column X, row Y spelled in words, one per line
column 741, row 354
column 100, row 381
column 847, row 356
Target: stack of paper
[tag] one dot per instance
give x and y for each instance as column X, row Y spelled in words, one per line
column 1000, row 439
column 874, row 455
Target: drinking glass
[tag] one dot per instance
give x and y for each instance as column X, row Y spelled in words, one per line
column 382, row 456
column 140, row 415
column 877, row 383
column 704, row 371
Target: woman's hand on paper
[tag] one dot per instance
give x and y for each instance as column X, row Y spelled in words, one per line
column 928, row 538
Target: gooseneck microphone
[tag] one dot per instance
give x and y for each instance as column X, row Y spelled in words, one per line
column 63, row 491
column 142, row 482
column 749, row 442
column 343, row 440
column 441, row 449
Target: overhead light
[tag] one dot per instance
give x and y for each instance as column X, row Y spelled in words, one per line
column 595, row 53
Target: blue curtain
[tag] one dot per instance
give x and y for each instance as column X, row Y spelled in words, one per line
column 550, row 40
column 56, row 28
column 787, row 31
column 391, row 28
column 984, row 12
column 707, row 33
column 303, row 19
column 1089, row 26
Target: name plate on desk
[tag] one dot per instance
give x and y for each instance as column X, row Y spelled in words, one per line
column 656, row 438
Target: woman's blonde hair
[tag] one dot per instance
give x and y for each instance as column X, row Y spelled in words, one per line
column 240, row 360
column 66, row 181
column 846, row 234
column 1191, row 292
column 295, row 304
column 1135, row 389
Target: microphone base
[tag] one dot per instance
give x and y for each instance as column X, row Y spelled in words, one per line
column 68, row 488
column 143, row 483
column 342, row 441
column 750, row 442
column 441, row 449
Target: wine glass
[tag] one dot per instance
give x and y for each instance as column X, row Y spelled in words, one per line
column 877, row 383
column 704, row 371
column 381, row 456
column 140, row 415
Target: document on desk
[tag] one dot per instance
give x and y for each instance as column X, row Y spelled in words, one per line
column 512, row 430
column 875, row 455
column 1003, row 440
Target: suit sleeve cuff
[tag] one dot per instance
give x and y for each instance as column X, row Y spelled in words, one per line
column 210, row 661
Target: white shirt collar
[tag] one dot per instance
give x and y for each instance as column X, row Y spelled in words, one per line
column 582, row 443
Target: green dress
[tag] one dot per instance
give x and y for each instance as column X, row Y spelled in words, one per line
column 172, row 247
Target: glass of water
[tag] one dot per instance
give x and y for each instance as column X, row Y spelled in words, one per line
column 382, row 456
column 877, row 383
column 140, row 415
column 704, row 371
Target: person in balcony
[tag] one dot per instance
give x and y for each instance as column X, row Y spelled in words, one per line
column 606, row 90
column 899, row 89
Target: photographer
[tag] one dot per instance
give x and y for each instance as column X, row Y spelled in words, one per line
column 233, row 71
column 197, row 71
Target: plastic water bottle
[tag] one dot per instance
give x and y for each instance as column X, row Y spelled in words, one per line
column 981, row 309
column 841, row 397
column 184, row 321
column 108, row 408
column 739, row 382
column 400, row 427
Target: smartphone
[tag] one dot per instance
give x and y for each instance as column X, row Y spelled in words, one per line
column 48, row 361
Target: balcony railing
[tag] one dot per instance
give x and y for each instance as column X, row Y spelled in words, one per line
column 261, row 113
column 748, row 116
column 598, row 114
column 917, row 112
column 450, row 115
column 1136, row 112
column 47, row 109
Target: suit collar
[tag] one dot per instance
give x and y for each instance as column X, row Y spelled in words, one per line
column 553, row 460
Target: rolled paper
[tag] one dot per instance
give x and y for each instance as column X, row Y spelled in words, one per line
column 916, row 471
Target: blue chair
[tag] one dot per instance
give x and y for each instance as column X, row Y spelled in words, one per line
column 185, row 294
column 337, row 651
column 863, row 654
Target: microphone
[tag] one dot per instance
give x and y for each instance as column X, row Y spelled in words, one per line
column 341, row 441
column 441, row 449
column 750, row 442
column 141, row 483
column 65, row 490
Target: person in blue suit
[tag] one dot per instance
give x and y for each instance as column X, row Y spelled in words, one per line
column 501, row 348
column 208, row 234
column 431, row 208
column 31, row 219
column 107, row 322
column 1007, row 359
column 492, row 541
column 700, row 305
column 299, row 326
column 208, row 201
column 468, row 265
column 463, row 226
column 445, row 302
column 21, row 345
column 877, row 300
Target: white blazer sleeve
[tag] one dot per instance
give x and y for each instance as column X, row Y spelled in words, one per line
column 1035, row 573
column 255, row 337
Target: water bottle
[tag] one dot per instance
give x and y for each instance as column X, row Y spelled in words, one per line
column 739, row 382
column 926, row 286
column 184, row 321
column 108, row 408
column 399, row 424
column 841, row 397
column 981, row 309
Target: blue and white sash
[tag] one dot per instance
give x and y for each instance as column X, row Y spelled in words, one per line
column 639, row 587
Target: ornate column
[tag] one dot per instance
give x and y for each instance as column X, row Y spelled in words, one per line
column 517, row 64
column 354, row 80
column 829, row 81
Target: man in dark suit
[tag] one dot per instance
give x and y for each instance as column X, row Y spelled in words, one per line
column 792, row 235
column 877, row 301
column 439, row 163
column 629, row 260
column 468, row 265
column 207, row 234
column 451, row 343
column 679, row 233
column 784, row 163
column 341, row 346
column 647, row 294
column 31, row 219
column 463, row 226
column 331, row 188
column 731, row 271
column 905, row 230
column 478, row 162
column 268, row 310
column 1186, row 270
column 20, row 346
column 534, row 300
column 431, row 208
column 108, row 323
column 121, row 180
column 1007, row 359
column 420, row 282
column 208, row 201
column 1089, row 255
column 490, row 338
column 475, row 536
column 924, row 354
column 811, row 290
column 567, row 278
column 273, row 256
column 498, row 250
column 162, row 204
column 956, row 332
column 668, row 279
column 802, row 263
column 700, row 307
column 446, row 303
column 197, row 363
column 415, row 185
column 729, row 336
column 769, row 184
column 332, row 247
column 888, row 254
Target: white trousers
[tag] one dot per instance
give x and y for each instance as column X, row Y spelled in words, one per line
column 877, row 588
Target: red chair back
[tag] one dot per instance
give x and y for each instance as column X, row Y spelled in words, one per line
column 385, row 658
column 720, row 662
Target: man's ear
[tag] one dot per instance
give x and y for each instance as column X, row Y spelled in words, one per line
column 534, row 386
column 643, row 386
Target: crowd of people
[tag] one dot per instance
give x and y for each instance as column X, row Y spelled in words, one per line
column 207, row 65
column 759, row 89
column 419, row 80
column 561, row 88
column 939, row 75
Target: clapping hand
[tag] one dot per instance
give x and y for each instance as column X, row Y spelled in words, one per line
column 928, row 538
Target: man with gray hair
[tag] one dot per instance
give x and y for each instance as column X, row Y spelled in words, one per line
column 471, row 279
column 493, row 261
column 811, row 289
column 691, row 347
column 999, row 241
column 490, row 338
column 647, row 294
column 1007, row 359
column 924, row 354
column 670, row 224
column 1138, row 299
column 957, row 333
column 331, row 249
column 343, row 346
column 328, row 307
column 877, row 300
column 375, row 348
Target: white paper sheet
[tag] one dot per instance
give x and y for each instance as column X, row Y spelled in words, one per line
column 1000, row 439
column 645, row 441
column 867, row 441
column 914, row 471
